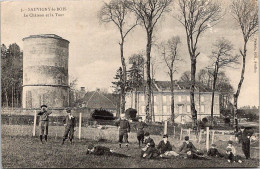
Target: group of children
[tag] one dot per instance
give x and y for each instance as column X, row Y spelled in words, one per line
column 149, row 150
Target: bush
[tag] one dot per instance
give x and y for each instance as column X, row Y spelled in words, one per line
column 102, row 114
column 131, row 114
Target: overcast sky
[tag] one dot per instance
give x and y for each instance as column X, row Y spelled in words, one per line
column 94, row 54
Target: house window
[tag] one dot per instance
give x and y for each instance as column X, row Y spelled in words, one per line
column 154, row 98
column 143, row 110
column 179, row 98
column 188, row 108
column 155, row 109
column 202, row 109
column 164, row 109
column 202, row 98
column 188, row 98
column 142, row 98
column 164, row 99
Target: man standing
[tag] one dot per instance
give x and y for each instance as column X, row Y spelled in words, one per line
column 44, row 122
column 124, row 129
column 245, row 139
column 140, row 131
column 69, row 123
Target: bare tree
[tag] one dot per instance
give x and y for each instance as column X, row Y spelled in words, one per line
column 149, row 12
column 197, row 16
column 245, row 12
column 116, row 11
column 170, row 56
column 222, row 57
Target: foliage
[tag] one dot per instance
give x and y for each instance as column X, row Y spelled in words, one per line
column 102, row 114
column 11, row 75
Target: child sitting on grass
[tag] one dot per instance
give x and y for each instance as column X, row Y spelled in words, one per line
column 213, row 151
column 231, row 153
column 101, row 150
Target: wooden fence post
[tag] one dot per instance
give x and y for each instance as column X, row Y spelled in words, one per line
column 207, row 138
column 181, row 134
column 80, row 120
column 213, row 135
column 34, row 122
column 165, row 127
column 174, row 131
column 189, row 133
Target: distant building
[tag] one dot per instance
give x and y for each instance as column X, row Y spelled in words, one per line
column 161, row 102
column 45, row 71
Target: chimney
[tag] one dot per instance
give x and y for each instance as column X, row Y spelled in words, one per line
column 82, row 89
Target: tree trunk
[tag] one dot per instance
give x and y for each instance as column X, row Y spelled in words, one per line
column 236, row 95
column 193, row 109
column 148, row 87
column 6, row 98
column 213, row 91
column 135, row 98
column 12, row 97
column 172, row 95
column 124, row 76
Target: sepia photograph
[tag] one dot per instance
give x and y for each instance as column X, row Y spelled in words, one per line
column 129, row 84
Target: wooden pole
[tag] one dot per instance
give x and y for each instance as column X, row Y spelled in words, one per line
column 80, row 120
column 34, row 122
column 189, row 133
column 165, row 127
column 213, row 135
column 200, row 136
column 174, row 131
column 181, row 134
column 207, row 139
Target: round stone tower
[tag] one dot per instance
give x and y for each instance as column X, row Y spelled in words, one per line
column 45, row 71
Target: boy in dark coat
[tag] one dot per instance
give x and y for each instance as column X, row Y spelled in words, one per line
column 190, row 150
column 165, row 148
column 44, row 122
column 140, row 125
column 69, row 123
column 245, row 139
column 101, row 150
column 213, row 151
column 149, row 150
column 124, row 129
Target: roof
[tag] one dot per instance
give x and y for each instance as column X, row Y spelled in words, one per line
column 178, row 85
column 45, row 36
column 96, row 100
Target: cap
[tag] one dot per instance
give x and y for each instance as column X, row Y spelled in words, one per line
column 68, row 110
column 186, row 138
column 91, row 146
column 213, row 145
column 44, row 106
column 165, row 136
column 230, row 142
column 242, row 127
column 146, row 134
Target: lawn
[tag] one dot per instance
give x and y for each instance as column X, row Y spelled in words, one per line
column 25, row 151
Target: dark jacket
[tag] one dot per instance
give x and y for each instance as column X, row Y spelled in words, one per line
column 149, row 140
column 162, row 147
column 140, row 127
column 101, row 150
column 69, row 122
column 213, row 152
column 44, row 115
column 187, row 147
column 124, row 125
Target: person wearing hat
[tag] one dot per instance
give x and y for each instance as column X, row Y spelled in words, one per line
column 231, row 153
column 244, row 136
column 124, row 129
column 44, row 122
column 140, row 125
column 213, row 151
column 165, row 148
column 69, row 123
column 149, row 151
column 101, row 150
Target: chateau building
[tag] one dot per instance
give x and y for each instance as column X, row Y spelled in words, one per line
column 161, row 102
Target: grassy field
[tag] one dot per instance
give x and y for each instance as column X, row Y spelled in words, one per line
column 25, row 151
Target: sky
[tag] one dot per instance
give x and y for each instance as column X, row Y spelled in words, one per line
column 94, row 53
